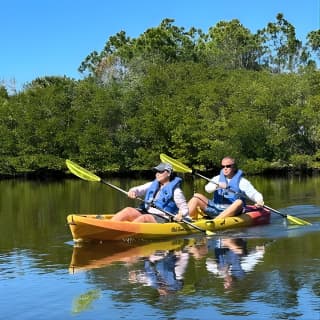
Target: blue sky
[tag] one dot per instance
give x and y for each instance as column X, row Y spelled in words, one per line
column 52, row 37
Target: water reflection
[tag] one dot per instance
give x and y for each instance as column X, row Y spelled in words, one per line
column 232, row 259
column 223, row 271
column 163, row 265
column 163, row 271
column 226, row 270
column 90, row 256
column 84, row 301
column 36, row 251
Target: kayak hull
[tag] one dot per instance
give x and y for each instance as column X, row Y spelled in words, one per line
column 90, row 227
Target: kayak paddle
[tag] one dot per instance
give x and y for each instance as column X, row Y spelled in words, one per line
column 90, row 176
column 294, row 220
column 180, row 167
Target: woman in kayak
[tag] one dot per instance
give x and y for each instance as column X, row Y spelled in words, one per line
column 163, row 194
column 230, row 190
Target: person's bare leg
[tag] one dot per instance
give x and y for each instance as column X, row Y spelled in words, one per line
column 232, row 210
column 145, row 218
column 126, row 214
column 198, row 200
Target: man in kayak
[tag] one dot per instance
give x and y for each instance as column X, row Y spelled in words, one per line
column 163, row 194
column 230, row 190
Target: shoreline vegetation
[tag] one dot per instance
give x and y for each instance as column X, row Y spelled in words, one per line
column 196, row 96
column 48, row 174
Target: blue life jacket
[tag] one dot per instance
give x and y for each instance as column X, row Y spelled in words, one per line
column 164, row 199
column 232, row 192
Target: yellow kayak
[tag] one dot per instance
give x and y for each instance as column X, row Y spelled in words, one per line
column 90, row 227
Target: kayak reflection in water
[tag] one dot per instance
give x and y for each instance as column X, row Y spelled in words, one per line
column 232, row 259
column 163, row 271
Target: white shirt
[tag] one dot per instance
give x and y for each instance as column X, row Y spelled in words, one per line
column 245, row 186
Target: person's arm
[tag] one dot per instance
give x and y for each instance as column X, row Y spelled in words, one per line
column 213, row 185
column 181, row 202
column 139, row 191
column 251, row 192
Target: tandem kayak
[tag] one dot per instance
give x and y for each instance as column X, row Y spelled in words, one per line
column 91, row 227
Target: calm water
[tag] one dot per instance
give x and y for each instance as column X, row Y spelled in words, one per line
column 269, row 272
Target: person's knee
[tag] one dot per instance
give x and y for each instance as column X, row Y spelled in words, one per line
column 196, row 198
column 126, row 214
column 139, row 219
column 145, row 218
column 238, row 203
column 237, row 206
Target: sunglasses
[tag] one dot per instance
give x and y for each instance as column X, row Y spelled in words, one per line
column 161, row 171
column 227, row 166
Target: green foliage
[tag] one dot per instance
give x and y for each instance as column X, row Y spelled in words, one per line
column 233, row 46
column 301, row 161
column 314, row 41
column 316, row 161
column 29, row 164
column 282, row 50
column 195, row 96
column 3, row 93
column 255, row 166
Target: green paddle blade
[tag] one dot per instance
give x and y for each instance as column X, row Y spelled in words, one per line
column 177, row 166
column 292, row 219
column 298, row 221
column 81, row 172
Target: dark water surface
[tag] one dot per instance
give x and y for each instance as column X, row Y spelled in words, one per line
column 268, row 272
